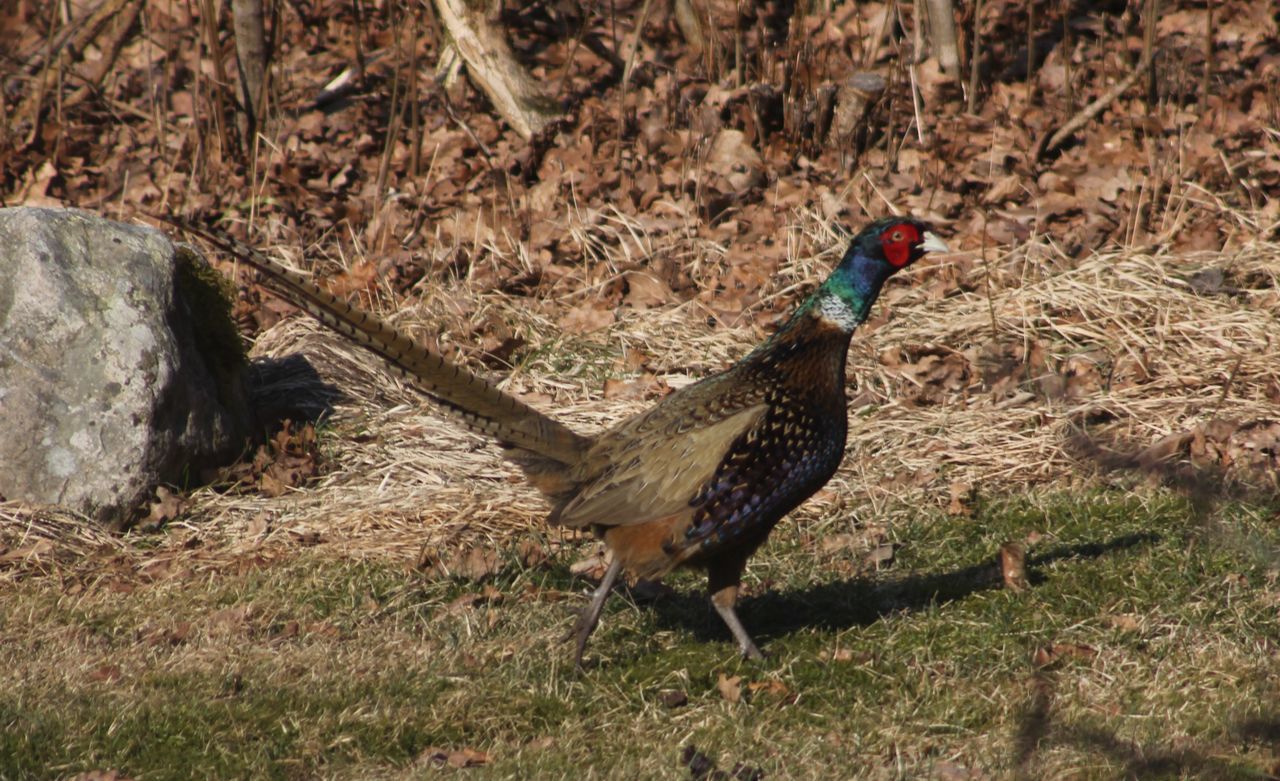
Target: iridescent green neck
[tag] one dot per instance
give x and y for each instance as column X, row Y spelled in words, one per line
column 844, row 300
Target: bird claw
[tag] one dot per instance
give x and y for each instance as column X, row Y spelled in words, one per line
column 576, row 629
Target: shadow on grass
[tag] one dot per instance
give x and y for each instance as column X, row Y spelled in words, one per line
column 861, row 601
column 1139, row 761
column 1205, row 486
column 1038, row 731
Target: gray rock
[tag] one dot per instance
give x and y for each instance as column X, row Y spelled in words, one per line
column 119, row 366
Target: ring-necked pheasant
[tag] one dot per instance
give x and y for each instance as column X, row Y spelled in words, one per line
column 702, row 477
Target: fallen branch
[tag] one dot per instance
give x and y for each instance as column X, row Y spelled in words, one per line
column 1085, row 115
column 491, row 64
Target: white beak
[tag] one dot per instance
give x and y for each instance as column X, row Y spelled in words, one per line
column 932, row 243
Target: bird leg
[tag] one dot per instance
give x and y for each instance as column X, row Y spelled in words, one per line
column 590, row 616
column 723, row 582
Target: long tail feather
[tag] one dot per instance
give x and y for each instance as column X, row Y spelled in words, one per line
column 477, row 402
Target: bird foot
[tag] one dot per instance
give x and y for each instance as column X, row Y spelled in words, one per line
column 590, row 616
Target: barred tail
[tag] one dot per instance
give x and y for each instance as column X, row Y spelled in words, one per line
column 477, row 402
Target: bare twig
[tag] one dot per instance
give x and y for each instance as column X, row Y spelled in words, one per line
column 208, row 14
column 634, row 46
column 248, row 21
column 415, row 106
column 1089, row 112
column 917, row 105
column 690, row 26
column 1149, row 16
column 1031, row 51
column 986, row 277
column 886, row 25
column 1226, row 387
column 393, row 129
column 110, row 48
column 971, row 101
column 1067, row 47
column 1208, row 59
column 70, row 40
column 558, row 90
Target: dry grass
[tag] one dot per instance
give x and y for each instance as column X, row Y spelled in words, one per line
column 310, row 665
column 413, row 478
column 254, row 612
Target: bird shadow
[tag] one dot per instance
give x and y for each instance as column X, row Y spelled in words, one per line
column 290, row 388
column 863, row 600
column 1206, row 485
column 1042, row 727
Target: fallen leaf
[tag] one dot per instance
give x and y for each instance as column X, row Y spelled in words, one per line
column 106, row 673
column 587, row 318
column 359, row 278
column 700, row 765
column 306, row 536
column 961, row 495
column 323, row 629
column 531, row 553
column 460, row 758
column 770, row 687
column 1125, row 622
column 732, row 156
column 28, row 552
column 230, row 620
column 645, row 387
column 950, row 771
column 645, row 290
column 592, row 567
column 468, row 757
column 837, row 543
column 730, row 687
column 1048, row 655
column 673, row 698
column 475, row 563
column 880, row 555
column 166, row 507
column 1013, row 566
column 1164, row 449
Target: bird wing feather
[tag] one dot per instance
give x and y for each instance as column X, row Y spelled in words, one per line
column 654, row 477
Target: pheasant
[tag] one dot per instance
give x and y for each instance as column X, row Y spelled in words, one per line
column 700, row 478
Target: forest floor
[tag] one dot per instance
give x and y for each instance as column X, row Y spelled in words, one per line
column 1092, row 375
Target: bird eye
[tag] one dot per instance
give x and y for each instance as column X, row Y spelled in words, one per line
column 896, row 236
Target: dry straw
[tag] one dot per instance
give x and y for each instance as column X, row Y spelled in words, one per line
column 401, row 476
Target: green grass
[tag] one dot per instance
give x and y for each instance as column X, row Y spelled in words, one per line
column 1166, row 622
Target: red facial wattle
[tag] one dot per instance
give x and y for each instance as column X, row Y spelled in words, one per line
column 897, row 241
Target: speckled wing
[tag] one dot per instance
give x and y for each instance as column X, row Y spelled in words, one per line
column 655, row 462
column 780, row 462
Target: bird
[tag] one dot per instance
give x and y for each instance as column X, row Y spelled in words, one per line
column 700, row 478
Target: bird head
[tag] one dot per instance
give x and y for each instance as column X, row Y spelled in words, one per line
column 878, row 251
column 893, row 243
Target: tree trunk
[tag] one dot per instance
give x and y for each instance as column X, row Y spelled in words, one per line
column 251, row 54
